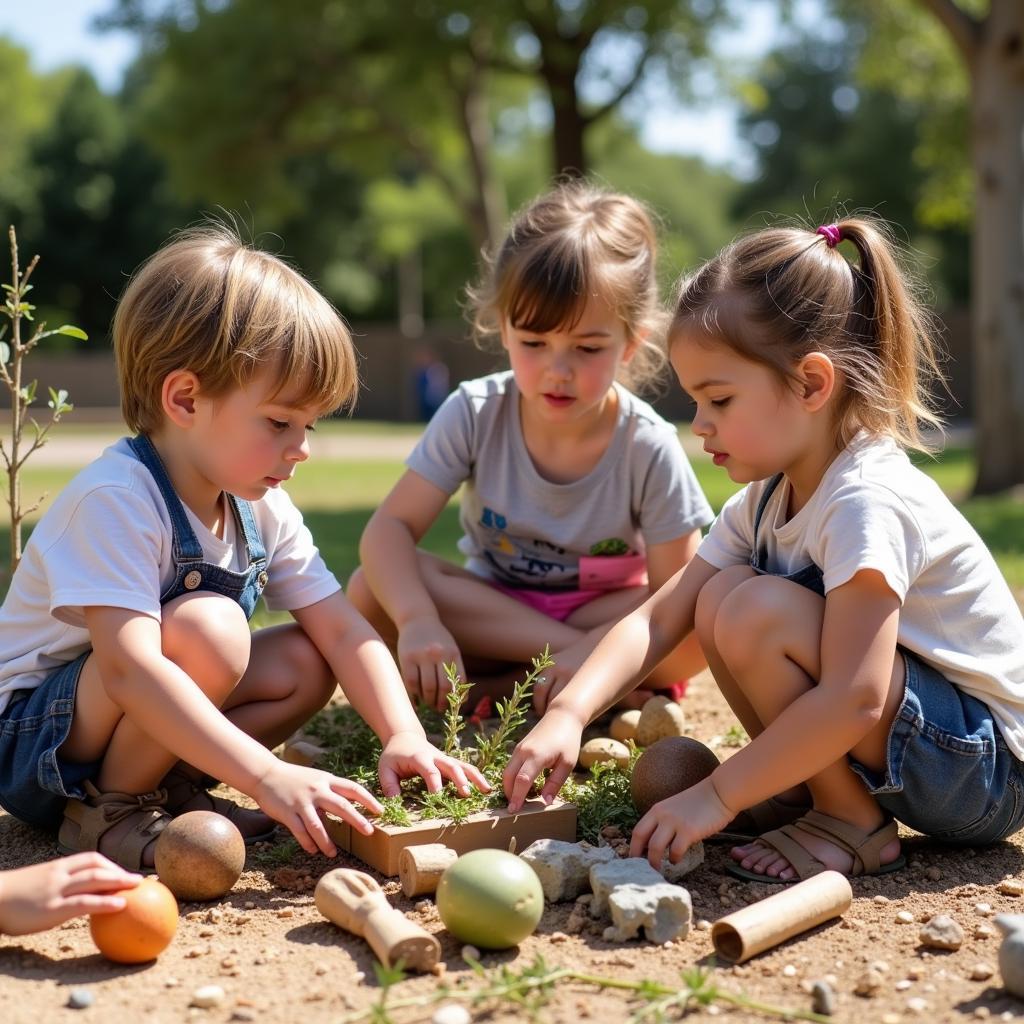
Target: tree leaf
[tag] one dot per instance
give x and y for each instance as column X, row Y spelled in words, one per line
column 72, row 332
column 5, row 352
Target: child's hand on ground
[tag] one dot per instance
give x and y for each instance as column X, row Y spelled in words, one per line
column 298, row 797
column 409, row 753
column 554, row 742
column 45, row 895
column 424, row 647
column 672, row 826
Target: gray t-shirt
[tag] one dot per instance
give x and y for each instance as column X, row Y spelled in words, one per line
column 523, row 530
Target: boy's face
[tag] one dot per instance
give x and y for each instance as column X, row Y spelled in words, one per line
column 250, row 440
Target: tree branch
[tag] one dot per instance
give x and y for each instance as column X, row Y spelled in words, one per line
column 626, row 88
column 964, row 29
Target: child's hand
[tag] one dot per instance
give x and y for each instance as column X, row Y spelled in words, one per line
column 554, row 742
column 408, row 753
column 672, row 826
column 298, row 797
column 424, row 647
column 44, row 895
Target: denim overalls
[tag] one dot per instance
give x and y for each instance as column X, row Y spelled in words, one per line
column 35, row 781
column 949, row 773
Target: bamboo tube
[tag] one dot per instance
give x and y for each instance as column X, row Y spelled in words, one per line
column 762, row 925
column 420, row 867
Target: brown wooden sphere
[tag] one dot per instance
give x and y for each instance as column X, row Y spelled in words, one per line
column 668, row 767
column 200, row 855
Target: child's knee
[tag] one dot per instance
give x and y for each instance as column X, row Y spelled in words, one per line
column 710, row 599
column 207, row 635
column 746, row 619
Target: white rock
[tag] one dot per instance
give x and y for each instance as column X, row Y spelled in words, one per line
column 941, row 932
column 629, row 871
column 603, row 749
column 659, row 717
column 693, row 858
column 564, row 868
column 451, row 1013
column 623, row 726
column 663, row 911
column 207, row 996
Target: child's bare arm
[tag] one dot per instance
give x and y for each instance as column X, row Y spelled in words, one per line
column 626, row 653
column 665, row 560
column 387, row 551
column 364, row 666
column 45, row 895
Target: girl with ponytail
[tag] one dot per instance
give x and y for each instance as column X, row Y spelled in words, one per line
column 858, row 626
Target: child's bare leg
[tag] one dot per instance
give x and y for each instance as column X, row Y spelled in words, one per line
column 484, row 622
column 686, row 660
column 207, row 636
column 767, row 635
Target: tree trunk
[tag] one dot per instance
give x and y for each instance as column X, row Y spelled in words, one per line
column 997, row 313
column 568, row 122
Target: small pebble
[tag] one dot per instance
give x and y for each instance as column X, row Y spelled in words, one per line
column 917, row 1005
column 470, row 953
column 984, row 909
column 422, row 906
column 703, row 925
column 207, row 996
column 320, row 970
column 904, row 917
column 559, row 937
column 890, row 1018
column 286, row 912
column 789, row 971
column 451, row 1013
column 868, row 984
column 171, row 983
column 941, row 932
column 823, row 998
column 880, row 899
column 242, row 1014
column 1011, row 887
column 903, row 985
column 982, row 1012
column 981, row 972
column 984, row 931
column 359, row 977
column 80, row 999
column 933, row 873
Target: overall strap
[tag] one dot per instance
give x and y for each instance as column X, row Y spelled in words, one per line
column 773, row 483
column 186, row 545
column 246, row 520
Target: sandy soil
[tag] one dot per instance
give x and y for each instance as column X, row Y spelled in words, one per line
column 276, row 959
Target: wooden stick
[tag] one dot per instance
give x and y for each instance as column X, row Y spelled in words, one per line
column 355, row 902
column 420, row 867
column 795, row 909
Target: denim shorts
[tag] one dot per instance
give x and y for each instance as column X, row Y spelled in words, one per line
column 949, row 773
column 35, row 782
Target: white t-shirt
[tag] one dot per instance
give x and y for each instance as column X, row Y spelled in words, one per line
column 106, row 540
column 526, row 531
column 875, row 510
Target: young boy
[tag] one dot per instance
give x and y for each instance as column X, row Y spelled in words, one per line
column 129, row 680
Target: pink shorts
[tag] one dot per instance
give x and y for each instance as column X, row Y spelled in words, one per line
column 557, row 604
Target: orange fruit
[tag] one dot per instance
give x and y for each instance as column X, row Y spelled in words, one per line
column 143, row 929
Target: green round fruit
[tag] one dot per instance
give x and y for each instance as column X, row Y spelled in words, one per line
column 490, row 898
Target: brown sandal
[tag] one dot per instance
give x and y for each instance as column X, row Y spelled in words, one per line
column 184, row 785
column 119, row 825
column 863, row 847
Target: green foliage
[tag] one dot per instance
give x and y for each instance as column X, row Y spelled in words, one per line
column 455, row 699
column 603, row 798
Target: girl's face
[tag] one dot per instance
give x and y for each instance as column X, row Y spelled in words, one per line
column 751, row 423
column 565, row 375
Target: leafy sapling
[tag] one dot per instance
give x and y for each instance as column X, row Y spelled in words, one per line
column 12, row 372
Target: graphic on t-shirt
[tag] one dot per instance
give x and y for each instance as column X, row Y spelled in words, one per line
column 530, row 563
column 610, row 547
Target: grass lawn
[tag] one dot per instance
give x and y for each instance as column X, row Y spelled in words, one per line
column 337, row 497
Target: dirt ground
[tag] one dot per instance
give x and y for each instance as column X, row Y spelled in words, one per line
column 266, row 946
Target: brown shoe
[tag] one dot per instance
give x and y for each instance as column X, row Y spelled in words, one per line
column 121, row 826
column 187, row 791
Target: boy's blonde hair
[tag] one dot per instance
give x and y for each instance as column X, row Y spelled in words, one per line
column 208, row 303
column 778, row 294
column 566, row 246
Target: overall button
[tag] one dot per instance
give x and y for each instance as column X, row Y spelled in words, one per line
column 262, row 579
column 193, row 579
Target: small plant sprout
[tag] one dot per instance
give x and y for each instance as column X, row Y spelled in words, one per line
column 530, row 989
column 12, row 359
column 453, row 714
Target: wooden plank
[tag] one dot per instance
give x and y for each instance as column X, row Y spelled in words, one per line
column 492, row 829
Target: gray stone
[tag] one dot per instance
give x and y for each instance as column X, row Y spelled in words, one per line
column 663, row 911
column 823, row 998
column 1011, row 952
column 564, row 868
column 613, row 873
column 941, row 932
column 80, row 999
column 693, row 858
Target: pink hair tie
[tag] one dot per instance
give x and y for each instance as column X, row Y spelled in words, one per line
column 833, row 234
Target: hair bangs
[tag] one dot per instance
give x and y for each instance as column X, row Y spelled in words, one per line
column 548, row 291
